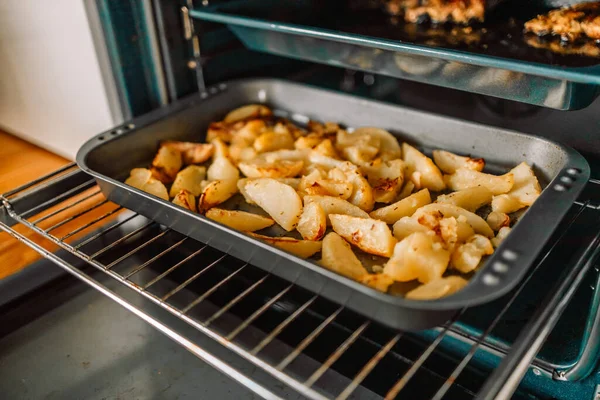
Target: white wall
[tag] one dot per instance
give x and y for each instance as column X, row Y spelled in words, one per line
column 52, row 91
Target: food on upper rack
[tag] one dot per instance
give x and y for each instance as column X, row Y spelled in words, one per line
column 438, row 11
column 581, row 21
column 377, row 210
column 588, row 48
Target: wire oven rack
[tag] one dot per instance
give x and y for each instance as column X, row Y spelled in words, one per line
column 309, row 344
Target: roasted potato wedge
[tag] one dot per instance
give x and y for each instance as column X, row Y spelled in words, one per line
column 449, row 210
column 156, row 188
column 192, row 153
column 221, row 149
column 190, row 178
column 166, row 164
column 335, row 205
column 309, row 141
column 407, row 190
column 326, row 148
column 470, row 199
column 272, row 141
column 359, row 154
column 369, row 235
column 324, row 161
column 345, row 139
column 337, row 256
column 421, row 169
column 240, row 220
column 525, row 191
column 497, row 220
column 222, row 169
column 500, row 236
column 379, row 281
column 299, row 248
column 185, row 199
column 388, row 144
column 467, row 257
column 313, row 222
column 450, row 162
column 279, row 200
column 238, row 153
column 386, row 179
column 216, row 193
column 406, row 226
column 438, row 288
column 362, row 193
column 467, row 178
column 138, row 177
column 276, row 169
column 403, row 208
column 247, row 112
column 419, row 256
column 286, row 155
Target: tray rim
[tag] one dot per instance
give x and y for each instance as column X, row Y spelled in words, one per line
column 452, row 302
column 586, row 75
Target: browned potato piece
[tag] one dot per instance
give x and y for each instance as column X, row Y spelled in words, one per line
column 271, row 141
column 450, row 162
column 497, row 220
column 449, row 210
column 279, row 200
column 326, row 187
column 362, row 193
column 345, row 139
column 166, row 164
column 386, row 179
column 186, row 200
column 379, row 282
column 157, row 188
column 419, row 256
column 466, row 178
column 470, row 199
column 337, row 256
column 247, row 112
column 421, row 169
column 403, row 208
column 326, row 148
column 388, row 144
column 467, row 256
column 192, row 153
column 277, row 169
column 367, row 234
column 437, row 289
column 240, row 220
column 221, row 149
column 308, row 142
column 313, row 222
column 299, row 248
column 524, row 192
column 216, row 193
column 222, row 169
column 359, row 154
column 502, row 234
column 190, row 178
column 335, row 205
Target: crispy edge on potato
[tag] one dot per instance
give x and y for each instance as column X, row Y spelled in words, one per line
column 465, row 178
column 449, row 162
column 166, row 164
column 299, row 248
column 403, row 208
column 277, row 199
column 215, row 193
column 190, row 178
column 369, row 235
column 337, row 256
column 313, row 222
column 185, row 199
column 240, row 220
column 449, row 210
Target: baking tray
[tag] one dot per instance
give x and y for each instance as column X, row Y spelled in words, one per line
column 500, row 64
column 111, row 155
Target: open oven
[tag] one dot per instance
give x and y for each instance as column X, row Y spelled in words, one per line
column 489, row 87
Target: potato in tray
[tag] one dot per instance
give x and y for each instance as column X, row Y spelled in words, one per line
column 357, row 202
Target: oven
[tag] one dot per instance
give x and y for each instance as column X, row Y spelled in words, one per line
column 277, row 338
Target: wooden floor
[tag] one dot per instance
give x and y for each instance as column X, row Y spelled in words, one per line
column 21, row 162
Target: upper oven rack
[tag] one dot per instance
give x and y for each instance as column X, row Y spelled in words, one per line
column 228, row 302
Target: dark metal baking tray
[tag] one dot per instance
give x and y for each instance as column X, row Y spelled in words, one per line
column 499, row 63
column 111, row 155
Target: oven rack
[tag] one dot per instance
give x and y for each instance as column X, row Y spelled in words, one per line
column 309, row 344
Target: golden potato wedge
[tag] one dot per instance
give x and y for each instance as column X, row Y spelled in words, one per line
column 323, row 130
column 407, row 190
column 500, row 236
column 240, row 220
column 449, row 210
column 287, row 155
column 438, row 288
column 379, row 281
column 419, row 256
column 278, row 200
column 335, row 205
column 156, row 188
column 336, row 174
column 346, row 139
column 525, row 191
column 324, row 161
column 406, row 226
column 452, row 231
column 190, row 178
column 277, row 169
column 421, row 169
column 467, row 257
column 386, row 179
column 221, row 149
column 369, row 235
column 247, row 112
column 271, row 141
column 220, row 130
column 497, row 220
column 166, row 164
column 466, row 178
column 222, row 169
column 216, row 193
column 241, row 185
column 313, row 222
column 403, row 208
column 192, row 153
column 248, row 132
column 138, row 177
column 388, row 144
column 299, row 248
column 237, row 153
column 450, row 162
column 362, row 193
column 309, row 141
column 337, row 256
column 326, row 148
column 186, row 200
column 470, row 199
column 359, row 154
